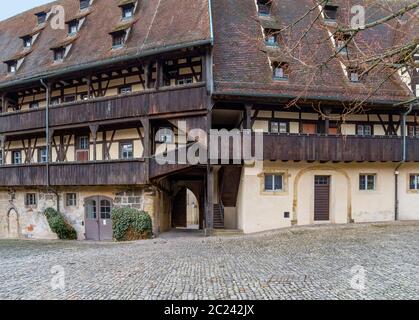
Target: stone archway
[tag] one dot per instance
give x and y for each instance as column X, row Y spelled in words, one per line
column 301, row 173
column 13, row 224
column 180, row 211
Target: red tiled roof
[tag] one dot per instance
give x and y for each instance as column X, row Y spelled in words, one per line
column 161, row 23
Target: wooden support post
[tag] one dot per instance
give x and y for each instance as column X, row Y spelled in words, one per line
column 147, row 146
column 159, row 79
column 89, row 87
column 248, row 116
column 3, row 139
column 147, row 75
column 3, row 103
column 93, row 130
column 327, row 112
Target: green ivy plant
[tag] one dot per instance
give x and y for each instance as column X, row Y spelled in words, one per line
column 59, row 225
column 131, row 224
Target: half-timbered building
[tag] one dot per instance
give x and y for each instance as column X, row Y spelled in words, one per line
column 88, row 99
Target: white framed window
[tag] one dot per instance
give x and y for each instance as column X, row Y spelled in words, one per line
column 125, row 90
column 1, row 158
column 414, row 182
column 42, row 155
column 59, row 54
column 12, row 67
column 273, row 182
column 128, row 11
column 364, row 130
column 83, row 143
column 73, row 27
column 126, row 150
column 27, row 41
column 118, row 39
column 17, row 157
column 281, row 70
column 71, row 199
column 367, row 182
column 279, row 127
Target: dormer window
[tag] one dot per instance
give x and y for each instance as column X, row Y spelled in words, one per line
column 11, row 66
column 73, row 27
column 264, row 7
column 280, row 70
column 330, row 12
column 84, row 4
column 353, row 75
column 341, row 42
column 271, row 37
column 42, row 17
column 59, row 54
column 27, row 41
column 128, row 11
column 118, row 39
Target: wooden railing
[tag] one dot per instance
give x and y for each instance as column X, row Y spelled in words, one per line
column 130, row 172
column 165, row 100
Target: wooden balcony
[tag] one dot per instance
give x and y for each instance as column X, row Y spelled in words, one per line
column 338, row 148
column 151, row 102
column 130, row 172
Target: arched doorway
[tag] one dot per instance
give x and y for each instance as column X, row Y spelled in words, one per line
column 13, row 224
column 186, row 210
column 98, row 219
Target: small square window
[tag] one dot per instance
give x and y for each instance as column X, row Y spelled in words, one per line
column 330, row 12
column 118, row 39
column 42, row 155
column 17, row 157
column 84, row 4
column 71, row 199
column 367, row 182
column 128, row 11
column 364, row 130
column 264, row 7
column 27, row 42
column 59, row 54
column 83, row 143
column 30, row 199
column 125, row 90
column 41, row 17
column 273, row 182
column 414, row 182
column 34, row 105
column 279, row 127
column 1, row 158
column 126, row 151
column 271, row 37
column 55, row 101
column 12, row 67
column 280, row 70
column 73, row 27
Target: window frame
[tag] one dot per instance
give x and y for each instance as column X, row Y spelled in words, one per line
column 15, row 152
column 12, row 66
column 121, row 151
column 41, row 18
column 80, row 145
column 59, row 54
column 34, row 105
column 273, row 177
column 279, row 122
column 27, row 40
column 365, row 185
column 161, row 135
column 121, row 35
column 328, row 8
column 31, row 200
column 121, row 89
column 69, row 199
column 363, row 125
column 130, row 7
column 84, row 4
column 284, row 66
column 73, row 24
column 40, row 155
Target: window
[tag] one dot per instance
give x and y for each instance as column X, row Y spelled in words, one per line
column 273, row 182
column 70, row 98
column 17, row 157
column 34, row 105
column 165, row 135
column 126, row 150
column 364, row 130
column 83, row 143
column 55, row 101
column 73, row 27
column 413, row 130
column 264, row 7
column 127, row 11
column 59, row 54
column 279, row 127
column 84, row 97
column 27, row 41
column 330, row 12
column 105, row 209
column 71, row 199
column 1, row 157
column 42, row 155
column 84, row 4
column 280, row 70
column 367, row 182
column 353, row 74
column 271, row 37
column 340, row 41
column 41, row 17
column 125, row 90
column 118, row 39
column 30, row 199
column 414, row 182
column 12, row 66
column 183, row 81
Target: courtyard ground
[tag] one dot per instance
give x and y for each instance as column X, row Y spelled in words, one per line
column 372, row 261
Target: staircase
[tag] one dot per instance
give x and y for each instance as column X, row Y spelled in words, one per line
column 218, row 217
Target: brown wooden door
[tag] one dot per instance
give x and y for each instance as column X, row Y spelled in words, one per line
column 98, row 219
column 179, row 214
column 321, row 198
column 82, row 155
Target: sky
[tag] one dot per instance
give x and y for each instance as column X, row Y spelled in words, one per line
column 11, row 8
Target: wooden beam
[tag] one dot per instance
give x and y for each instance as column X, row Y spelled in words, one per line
column 248, row 110
column 93, row 130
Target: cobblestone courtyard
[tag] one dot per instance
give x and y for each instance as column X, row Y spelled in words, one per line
column 300, row 263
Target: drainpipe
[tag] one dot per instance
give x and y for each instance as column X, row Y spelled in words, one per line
column 404, row 158
column 47, row 94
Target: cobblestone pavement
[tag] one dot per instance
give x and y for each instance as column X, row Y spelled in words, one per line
column 298, row 263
